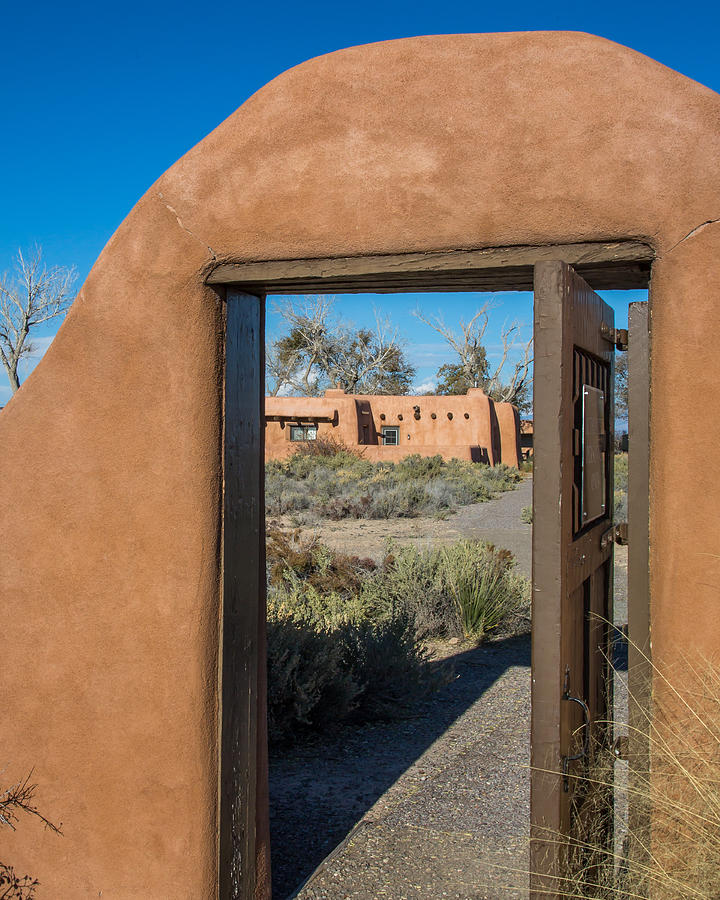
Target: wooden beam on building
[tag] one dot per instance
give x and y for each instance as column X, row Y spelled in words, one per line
column 613, row 265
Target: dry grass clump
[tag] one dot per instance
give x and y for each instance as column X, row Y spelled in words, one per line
column 671, row 846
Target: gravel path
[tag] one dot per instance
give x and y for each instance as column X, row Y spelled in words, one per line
column 437, row 801
column 432, row 806
column 497, row 521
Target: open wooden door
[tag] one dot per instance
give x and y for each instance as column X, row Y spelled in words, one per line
column 573, row 539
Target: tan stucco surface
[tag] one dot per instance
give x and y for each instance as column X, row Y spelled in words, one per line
column 111, row 475
column 468, row 426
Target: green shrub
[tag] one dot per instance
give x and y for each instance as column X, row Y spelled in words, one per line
column 345, row 636
column 526, row 515
column 485, row 589
column 329, row 662
column 412, row 580
column 308, row 686
column 334, row 482
column 468, row 589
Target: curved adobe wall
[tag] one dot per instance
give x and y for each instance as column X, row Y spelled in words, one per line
column 109, row 553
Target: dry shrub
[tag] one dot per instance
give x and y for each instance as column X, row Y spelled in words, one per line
column 328, row 446
column 338, row 483
column 14, row 800
column 287, row 553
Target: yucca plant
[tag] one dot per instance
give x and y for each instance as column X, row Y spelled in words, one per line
column 482, row 584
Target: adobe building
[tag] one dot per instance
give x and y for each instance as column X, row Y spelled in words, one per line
column 387, row 428
column 133, row 610
column 527, row 431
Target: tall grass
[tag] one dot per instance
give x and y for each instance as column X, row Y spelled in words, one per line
column 671, row 847
column 483, row 586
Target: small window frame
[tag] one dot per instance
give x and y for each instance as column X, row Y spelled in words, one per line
column 388, row 430
column 304, row 432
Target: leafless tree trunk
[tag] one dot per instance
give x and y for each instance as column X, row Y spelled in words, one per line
column 472, row 356
column 33, row 295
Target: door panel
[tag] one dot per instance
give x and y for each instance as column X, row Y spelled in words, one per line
column 572, row 563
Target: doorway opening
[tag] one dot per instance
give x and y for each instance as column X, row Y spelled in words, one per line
column 615, row 266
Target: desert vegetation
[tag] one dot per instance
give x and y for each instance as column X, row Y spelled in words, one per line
column 323, row 479
column 348, row 639
column 679, row 793
column 15, row 800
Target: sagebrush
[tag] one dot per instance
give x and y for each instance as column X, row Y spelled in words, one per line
column 346, row 636
column 324, row 479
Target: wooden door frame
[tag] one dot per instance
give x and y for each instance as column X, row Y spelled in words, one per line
column 609, row 265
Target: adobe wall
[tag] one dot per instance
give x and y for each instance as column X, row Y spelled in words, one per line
column 455, row 427
column 110, row 477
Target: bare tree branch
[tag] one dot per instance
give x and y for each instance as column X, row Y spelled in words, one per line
column 468, row 344
column 472, row 369
column 34, row 294
column 514, row 389
column 13, row 800
column 320, row 350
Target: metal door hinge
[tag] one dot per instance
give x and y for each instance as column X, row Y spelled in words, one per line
column 616, row 336
column 617, row 533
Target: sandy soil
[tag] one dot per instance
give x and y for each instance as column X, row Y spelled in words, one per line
column 497, row 521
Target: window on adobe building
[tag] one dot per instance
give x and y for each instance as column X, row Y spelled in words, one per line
column 390, row 435
column 303, row 432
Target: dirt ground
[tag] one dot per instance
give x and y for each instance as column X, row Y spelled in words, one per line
column 435, row 805
column 497, row 521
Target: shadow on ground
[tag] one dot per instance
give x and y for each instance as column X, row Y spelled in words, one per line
column 320, row 790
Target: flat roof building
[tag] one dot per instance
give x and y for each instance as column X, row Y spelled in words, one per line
column 464, row 426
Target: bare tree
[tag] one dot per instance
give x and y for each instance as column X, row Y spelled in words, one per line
column 16, row 799
column 320, row 350
column 514, row 390
column 472, row 357
column 472, row 368
column 32, row 295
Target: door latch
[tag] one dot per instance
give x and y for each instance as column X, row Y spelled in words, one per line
column 566, row 760
column 618, row 337
column 617, row 533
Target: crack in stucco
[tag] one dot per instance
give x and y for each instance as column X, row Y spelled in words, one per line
column 185, row 228
column 692, row 233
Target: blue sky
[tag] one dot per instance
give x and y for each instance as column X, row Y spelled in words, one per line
column 426, row 349
column 100, row 99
